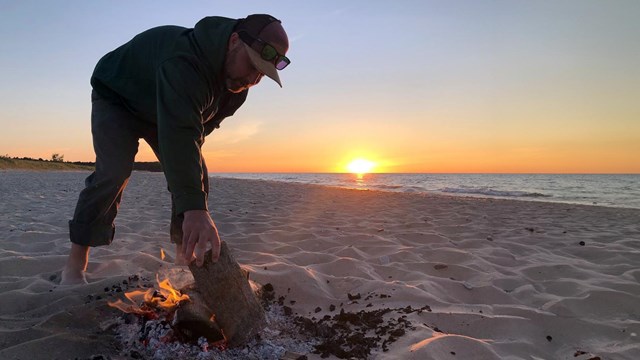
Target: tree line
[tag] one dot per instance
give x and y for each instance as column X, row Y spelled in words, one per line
column 153, row 166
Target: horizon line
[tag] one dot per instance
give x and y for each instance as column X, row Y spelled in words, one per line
column 342, row 172
column 420, row 173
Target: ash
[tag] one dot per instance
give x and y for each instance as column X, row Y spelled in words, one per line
column 345, row 335
column 155, row 339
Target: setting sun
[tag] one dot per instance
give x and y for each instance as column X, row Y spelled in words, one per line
column 360, row 166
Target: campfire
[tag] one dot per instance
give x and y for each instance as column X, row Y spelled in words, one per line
column 221, row 316
column 220, row 306
column 145, row 303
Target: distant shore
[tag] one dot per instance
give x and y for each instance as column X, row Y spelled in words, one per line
column 8, row 163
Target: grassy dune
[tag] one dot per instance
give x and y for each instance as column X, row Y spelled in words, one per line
column 9, row 163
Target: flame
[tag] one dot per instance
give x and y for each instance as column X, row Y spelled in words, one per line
column 161, row 254
column 165, row 298
column 173, row 296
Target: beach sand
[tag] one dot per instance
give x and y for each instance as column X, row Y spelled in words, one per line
column 502, row 279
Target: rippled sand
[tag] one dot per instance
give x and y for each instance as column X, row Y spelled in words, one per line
column 504, row 279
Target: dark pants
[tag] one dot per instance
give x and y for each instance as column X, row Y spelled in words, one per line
column 116, row 132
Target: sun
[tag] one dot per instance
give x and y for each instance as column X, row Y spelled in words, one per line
column 360, row 166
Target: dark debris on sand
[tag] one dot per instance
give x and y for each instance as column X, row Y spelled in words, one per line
column 355, row 334
column 352, row 335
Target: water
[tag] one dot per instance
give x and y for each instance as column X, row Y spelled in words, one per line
column 601, row 189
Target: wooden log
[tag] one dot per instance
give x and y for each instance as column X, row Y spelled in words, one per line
column 193, row 318
column 226, row 290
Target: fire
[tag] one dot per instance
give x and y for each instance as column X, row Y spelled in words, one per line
column 161, row 254
column 165, row 298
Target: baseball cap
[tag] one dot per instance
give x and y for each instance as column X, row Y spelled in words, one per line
column 264, row 56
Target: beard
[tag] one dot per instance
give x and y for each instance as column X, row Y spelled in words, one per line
column 233, row 83
column 235, row 86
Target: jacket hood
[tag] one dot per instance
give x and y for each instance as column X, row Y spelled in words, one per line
column 211, row 35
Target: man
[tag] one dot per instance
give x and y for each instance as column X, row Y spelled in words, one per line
column 171, row 86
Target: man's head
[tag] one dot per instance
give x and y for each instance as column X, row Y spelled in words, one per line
column 256, row 48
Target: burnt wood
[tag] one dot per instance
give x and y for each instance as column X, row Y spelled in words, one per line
column 192, row 318
column 225, row 289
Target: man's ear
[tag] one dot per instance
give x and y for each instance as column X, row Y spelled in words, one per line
column 233, row 41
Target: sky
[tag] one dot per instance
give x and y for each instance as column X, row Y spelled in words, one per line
column 471, row 86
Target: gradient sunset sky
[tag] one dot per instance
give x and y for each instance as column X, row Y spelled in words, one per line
column 414, row 86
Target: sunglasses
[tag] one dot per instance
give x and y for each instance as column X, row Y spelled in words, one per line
column 266, row 50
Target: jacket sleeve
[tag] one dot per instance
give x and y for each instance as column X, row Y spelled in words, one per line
column 182, row 95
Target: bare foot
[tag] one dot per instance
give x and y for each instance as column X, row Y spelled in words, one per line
column 71, row 277
column 74, row 271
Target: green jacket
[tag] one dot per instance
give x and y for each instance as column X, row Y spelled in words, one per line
column 173, row 77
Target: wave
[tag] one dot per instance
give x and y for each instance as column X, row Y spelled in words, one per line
column 492, row 192
column 387, row 187
column 602, row 190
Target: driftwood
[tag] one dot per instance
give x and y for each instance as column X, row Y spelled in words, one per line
column 193, row 318
column 225, row 289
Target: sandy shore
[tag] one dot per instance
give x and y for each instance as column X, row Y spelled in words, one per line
column 503, row 279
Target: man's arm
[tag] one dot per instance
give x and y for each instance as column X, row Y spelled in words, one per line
column 182, row 95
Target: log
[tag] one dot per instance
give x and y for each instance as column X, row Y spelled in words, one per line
column 226, row 290
column 193, row 318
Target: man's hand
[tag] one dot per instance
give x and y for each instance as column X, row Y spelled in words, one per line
column 198, row 229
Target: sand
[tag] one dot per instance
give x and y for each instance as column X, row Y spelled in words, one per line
column 502, row 279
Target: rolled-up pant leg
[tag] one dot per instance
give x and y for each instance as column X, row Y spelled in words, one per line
column 175, row 230
column 115, row 142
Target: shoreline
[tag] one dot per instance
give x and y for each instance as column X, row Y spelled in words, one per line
column 431, row 193
column 416, row 193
